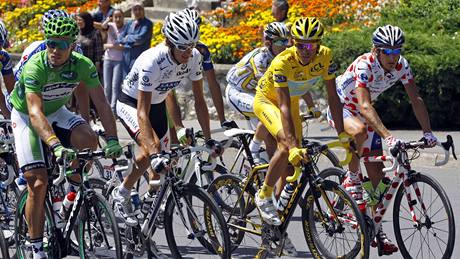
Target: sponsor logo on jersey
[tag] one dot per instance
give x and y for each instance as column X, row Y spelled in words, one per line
column 165, row 87
column 58, row 90
column 180, row 73
column 145, row 81
column 183, row 66
column 364, row 77
column 161, row 61
column 317, row 67
column 332, row 69
column 94, row 75
column 299, row 75
column 69, row 75
column 279, row 78
column 31, row 81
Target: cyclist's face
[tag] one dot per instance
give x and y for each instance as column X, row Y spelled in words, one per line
column 389, row 56
column 59, row 50
column 183, row 53
column 306, row 50
column 279, row 45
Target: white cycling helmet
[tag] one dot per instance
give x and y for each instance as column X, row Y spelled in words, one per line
column 276, row 30
column 388, row 35
column 53, row 14
column 193, row 14
column 181, row 29
column 3, row 35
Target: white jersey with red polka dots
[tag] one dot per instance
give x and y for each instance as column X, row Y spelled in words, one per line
column 367, row 72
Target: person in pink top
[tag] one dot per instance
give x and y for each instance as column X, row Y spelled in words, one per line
column 113, row 56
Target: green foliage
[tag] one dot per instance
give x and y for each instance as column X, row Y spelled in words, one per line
column 433, row 50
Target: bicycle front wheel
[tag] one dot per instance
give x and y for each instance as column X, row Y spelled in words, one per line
column 195, row 221
column 432, row 235
column 98, row 234
column 333, row 231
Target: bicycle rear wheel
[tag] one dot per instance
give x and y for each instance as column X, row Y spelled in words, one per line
column 194, row 222
column 433, row 234
column 98, row 234
column 327, row 236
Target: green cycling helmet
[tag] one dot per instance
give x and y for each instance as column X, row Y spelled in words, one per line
column 62, row 27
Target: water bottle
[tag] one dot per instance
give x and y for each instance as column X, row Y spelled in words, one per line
column 66, row 204
column 57, row 204
column 21, row 182
column 382, row 188
column 285, row 196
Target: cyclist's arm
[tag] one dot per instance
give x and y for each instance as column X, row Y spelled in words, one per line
column 216, row 93
column 284, row 100
column 201, row 108
column 103, row 109
column 148, row 138
column 369, row 113
column 9, row 82
column 5, row 111
column 335, row 105
column 38, row 119
column 174, row 110
column 418, row 106
column 82, row 101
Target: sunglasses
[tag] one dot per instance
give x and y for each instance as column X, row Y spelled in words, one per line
column 60, row 44
column 391, row 51
column 280, row 42
column 185, row 47
column 307, row 46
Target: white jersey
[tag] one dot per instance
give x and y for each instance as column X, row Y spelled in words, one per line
column 155, row 71
column 247, row 72
column 367, row 72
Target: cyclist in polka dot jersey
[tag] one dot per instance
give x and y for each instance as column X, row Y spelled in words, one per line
column 363, row 81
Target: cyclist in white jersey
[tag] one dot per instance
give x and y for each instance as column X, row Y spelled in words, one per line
column 147, row 91
column 363, row 81
column 6, row 69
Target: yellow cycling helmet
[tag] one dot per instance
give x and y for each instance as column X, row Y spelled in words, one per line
column 307, row 28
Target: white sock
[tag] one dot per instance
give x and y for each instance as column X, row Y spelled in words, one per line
column 123, row 191
column 37, row 248
column 254, row 146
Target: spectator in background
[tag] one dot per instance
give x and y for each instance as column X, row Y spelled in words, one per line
column 90, row 39
column 113, row 57
column 280, row 9
column 135, row 36
column 103, row 13
column 6, row 69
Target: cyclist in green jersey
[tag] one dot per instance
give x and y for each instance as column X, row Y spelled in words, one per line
column 39, row 116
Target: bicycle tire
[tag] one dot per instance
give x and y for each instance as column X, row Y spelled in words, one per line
column 398, row 213
column 50, row 239
column 4, row 247
column 98, row 206
column 234, row 160
column 318, row 248
column 221, row 246
column 11, row 197
column 226, row 184
column 334, row 174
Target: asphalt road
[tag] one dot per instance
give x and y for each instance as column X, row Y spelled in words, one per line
column 448, row 176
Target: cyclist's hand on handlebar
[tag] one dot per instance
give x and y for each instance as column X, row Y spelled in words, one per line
column 345, row 138
column 295, row 156
column 391, row 143
column 229, row 125
column 430, row 139
column 158, row 163
column 182, row 136
column 113, row 148
column 215, row 146
column 58, row 151
column 314, row 111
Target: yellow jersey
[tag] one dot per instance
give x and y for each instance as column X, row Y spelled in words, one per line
column 287, row 71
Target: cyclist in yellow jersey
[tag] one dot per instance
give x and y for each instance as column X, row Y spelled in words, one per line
column 276, row 104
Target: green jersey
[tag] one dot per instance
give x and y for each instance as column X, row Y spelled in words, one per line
column 55, row 85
